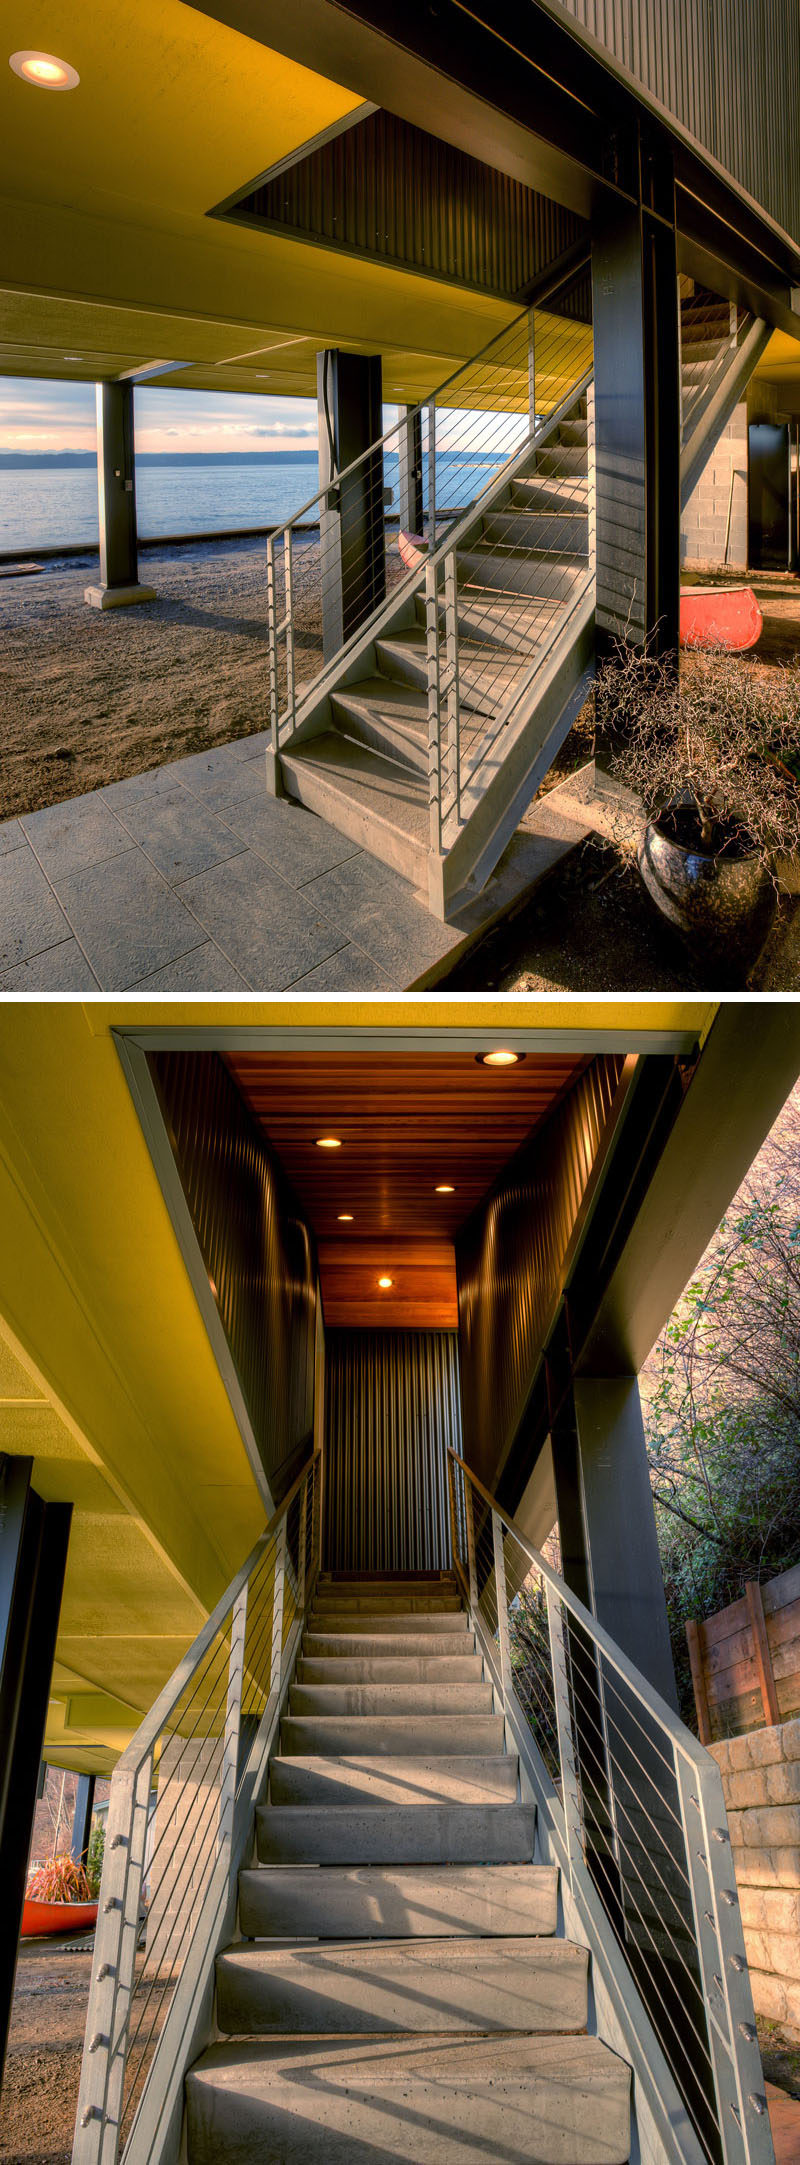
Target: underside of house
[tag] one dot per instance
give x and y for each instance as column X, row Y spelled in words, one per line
column 561, row 241
column 328, row 1529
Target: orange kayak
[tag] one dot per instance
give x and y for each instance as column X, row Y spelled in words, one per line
column 49, row 1920
column 721, row 616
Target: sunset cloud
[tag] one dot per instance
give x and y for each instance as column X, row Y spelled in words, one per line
column 38, row 416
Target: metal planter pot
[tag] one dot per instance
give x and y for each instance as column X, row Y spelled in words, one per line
column 721, row 907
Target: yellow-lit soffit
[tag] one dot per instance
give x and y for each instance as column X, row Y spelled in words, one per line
column 107, row 248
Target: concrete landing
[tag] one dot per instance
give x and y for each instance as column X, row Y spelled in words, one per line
column 191, row 878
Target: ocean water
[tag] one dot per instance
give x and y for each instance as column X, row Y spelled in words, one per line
column 53, row 507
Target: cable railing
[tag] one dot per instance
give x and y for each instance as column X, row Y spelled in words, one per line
column 636, row 1812
column 179, row 1827
column 331, row 568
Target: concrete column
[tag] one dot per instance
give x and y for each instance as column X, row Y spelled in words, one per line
column 116, row 489
column 411, row 501
column 607, row 1521
column 349, row 402
column 637, row 419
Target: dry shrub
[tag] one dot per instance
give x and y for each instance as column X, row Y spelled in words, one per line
column 720, row 736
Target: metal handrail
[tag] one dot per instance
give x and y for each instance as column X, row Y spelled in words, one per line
column 180, row 1823
column 645, row 1847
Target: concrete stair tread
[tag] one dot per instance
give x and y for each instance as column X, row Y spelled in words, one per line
column 416, row 1986
column 474, row 1697
column 462, row 1778
column 381, row 804
column 546, row 2100
column 407, row 1734
column 406, row 652
column 412, row 1901
column 354, row 1645
column 376, row 1622
column 415, row 1833
column 393, row 1602
column 390, row 1669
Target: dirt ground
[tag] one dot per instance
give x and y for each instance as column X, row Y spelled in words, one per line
column 40, row 2092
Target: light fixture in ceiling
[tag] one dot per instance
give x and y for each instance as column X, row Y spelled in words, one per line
column 502, row 1057
column 44, row 71
column 345, row 1217
column 445, row 1187
column 329, row 1142
column 385, row 1283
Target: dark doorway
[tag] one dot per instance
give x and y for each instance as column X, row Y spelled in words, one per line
column 769, row 522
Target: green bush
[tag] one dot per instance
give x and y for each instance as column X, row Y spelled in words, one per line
column 94, row 1860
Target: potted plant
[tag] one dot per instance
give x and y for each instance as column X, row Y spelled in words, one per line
column 59, row 1898
column 713, row 754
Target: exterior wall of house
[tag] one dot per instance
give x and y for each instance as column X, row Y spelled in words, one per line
column 730, row 76
column 761, row 1779
column 391, row 1408
column 721, row 492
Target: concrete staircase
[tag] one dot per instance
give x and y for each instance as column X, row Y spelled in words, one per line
column 520, row 563
column 399, row 1990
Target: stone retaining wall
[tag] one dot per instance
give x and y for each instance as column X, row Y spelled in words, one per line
column 761, row 1779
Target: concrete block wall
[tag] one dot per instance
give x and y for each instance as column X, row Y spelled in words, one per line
column 704, row 522
column 761, row 1780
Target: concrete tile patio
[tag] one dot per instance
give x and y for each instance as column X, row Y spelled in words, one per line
column 191, row 878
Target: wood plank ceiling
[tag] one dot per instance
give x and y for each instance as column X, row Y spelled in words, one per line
column 406, row 1123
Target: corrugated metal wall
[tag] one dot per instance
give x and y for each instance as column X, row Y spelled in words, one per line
column 256, row 1248
column 388, row 190
column 391, row 1408
column 509, row 1262
column 729, row 70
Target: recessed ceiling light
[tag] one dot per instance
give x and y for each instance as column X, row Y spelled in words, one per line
column 444, row 1188
column 329, row 1142
column 345, row 1217
column 45, row 71
column 73, row 356
column 385, row 1283
column 503, row 1057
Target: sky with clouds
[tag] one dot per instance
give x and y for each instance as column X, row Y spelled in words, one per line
column 38, row 416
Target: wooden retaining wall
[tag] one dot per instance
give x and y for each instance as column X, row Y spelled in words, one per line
column 745, row 1661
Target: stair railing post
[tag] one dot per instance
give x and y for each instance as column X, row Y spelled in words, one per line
column 469, row 1514
column 431, row 474
column 290, row 684
column 501, row 1597
column 102, row 2085
column 451, row 1497
column 233, row 1719
column 453, row 692
column 566, row 1744
column 434, row 704
column 733, row 2043
column 301, row 1547
column 532, row 367
column 272, row 626
column 278, row 1593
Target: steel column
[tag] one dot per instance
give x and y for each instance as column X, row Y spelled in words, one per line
column 613, row 1515
column 116, row 494
column 82, row 1818
column 411, row 497
column 637, row 412
column 352, row 553
column 34, row 1537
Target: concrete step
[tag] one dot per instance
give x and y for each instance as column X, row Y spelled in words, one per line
column 531, row 529
column 378, row 1623
column 416, row 1986
column 386, row 716
column 381, row 804
column 393, row 1603
column 518, row 627
column 395, row 1833
column 392, row 1669
column 463, row 1778
column 561, row 459
column 404, row 656
column 413, row 1698
column 398, row 1902
column 374, row 1646
column 409, row 1736
column 542, row 2099
column 574, row 431
column 546, row 492
column 537, row 573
